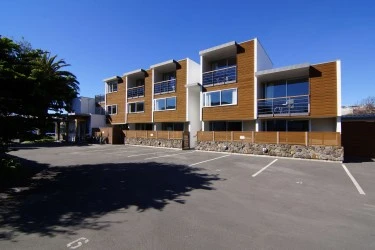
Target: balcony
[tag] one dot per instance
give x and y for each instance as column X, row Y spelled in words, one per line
column 220, row 76
column 284, row 106
column 136, row 92
column 165, row 87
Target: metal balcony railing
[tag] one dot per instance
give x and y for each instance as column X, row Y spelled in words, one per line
column 136, row 92
column 220, row 76
column 165, row 87
column 284, row 106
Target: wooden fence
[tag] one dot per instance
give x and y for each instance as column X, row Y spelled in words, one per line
column 148, row 134
column 295, row 138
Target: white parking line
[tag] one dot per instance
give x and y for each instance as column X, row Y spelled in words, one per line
column 167, row 155
column 360, row 190
column 208, row 160
column 147, row 154
column 260, row 171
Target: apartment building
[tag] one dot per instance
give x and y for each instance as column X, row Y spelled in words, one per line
column 161, row 98
column 241, row 91
column 234, row 88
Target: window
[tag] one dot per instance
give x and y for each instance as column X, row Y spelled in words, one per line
column 112, row 109
column 285, row 88
column 169, row 76
column 220, row 98
column 112, row 87
column 136, row 107
column 225, row 126
column 172, row 126
column 165, row 104
column 143, row 126
column 286, row 125
column 224, row 63
column 139, row 82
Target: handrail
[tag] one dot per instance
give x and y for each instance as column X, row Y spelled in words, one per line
column 142, row 86
column 165, row 81
column 220, row 69
column 292, row 96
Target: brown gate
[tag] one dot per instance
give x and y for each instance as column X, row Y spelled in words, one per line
column 358, row 139
column 186, row 140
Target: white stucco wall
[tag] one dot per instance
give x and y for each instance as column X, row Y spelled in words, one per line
column 97, row 121
column 83, row 105
column 193, row 99
column 263, row 61
column 323, row 125
column 248, row 125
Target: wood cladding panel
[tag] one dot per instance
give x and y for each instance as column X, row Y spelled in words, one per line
column 178, row 115
column 323, row 90
column 244, row 110
column 146, row 116
column 119, row 99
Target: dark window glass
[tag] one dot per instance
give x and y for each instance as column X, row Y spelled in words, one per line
column 169, row 76
column 139, row 82
column 139, row 106
column 234, row 126
column 131, row 107
column 275, row 125
column 114, row 109
column 217, row 126
column 298, row 87
column 298, row 125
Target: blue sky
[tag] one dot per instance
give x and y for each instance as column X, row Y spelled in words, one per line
column 105, row 38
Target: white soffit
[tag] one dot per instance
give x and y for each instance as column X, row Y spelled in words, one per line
column 137, row 71
column 166, row 63
column 219, row 47
column 297, row 70
column 112, row 78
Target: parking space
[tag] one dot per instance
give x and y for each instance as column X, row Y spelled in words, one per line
column 166, row 198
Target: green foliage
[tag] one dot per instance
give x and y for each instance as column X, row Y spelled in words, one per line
column 34, row 88
column 10, row 169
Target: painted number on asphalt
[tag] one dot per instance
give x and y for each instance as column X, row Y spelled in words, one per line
column 77, row 243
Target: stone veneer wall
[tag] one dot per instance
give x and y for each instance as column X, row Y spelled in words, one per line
column 331, row 153
column 166, row 143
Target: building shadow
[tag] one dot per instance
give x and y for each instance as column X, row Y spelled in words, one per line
column 355, row 159
column 63, row 197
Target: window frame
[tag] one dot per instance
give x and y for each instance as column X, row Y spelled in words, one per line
column 110, row 87
column 135, row 104
column 165, row 103
column 220, row 105
column 111, row 113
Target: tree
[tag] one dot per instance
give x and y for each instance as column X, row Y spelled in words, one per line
column 34, row 87
column 366, row 106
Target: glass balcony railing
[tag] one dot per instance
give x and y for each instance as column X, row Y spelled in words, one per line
column 165, row 87
column 136, row 92
column 220, row 76
column 284, row 106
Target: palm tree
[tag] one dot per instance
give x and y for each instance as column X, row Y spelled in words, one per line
column 55, row 88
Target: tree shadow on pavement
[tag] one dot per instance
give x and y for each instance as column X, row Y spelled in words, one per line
column 62, row 197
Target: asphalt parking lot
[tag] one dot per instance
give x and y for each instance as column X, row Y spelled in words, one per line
column 130, row 197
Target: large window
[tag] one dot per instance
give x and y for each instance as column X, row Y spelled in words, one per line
column 286, row 125
column 136, row 107
column 220, row 98
column 220, row 64
column 112, row 87
column 112, row 109
column 165, row 104
column 172, row 126
column 225, row 126
column 285, row 88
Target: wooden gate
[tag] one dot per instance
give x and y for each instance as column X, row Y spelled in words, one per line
column 358, row 139
column 186, row 140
